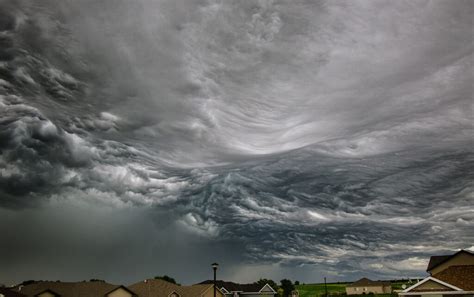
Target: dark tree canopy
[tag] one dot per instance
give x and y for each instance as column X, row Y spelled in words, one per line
column 167, row 278
column 264, row 281
column 287, row 287
column 28, row 282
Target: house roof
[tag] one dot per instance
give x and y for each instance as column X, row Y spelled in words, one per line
column 49, row 291
column 446, row 286
column 154, row 288
column 435, row 261
column 123, row 288
column 194, row 290
column 71, row 289
column 461, row 276
column 161, row 288
column 368, row 282
column 10, row 293
column 235, row 287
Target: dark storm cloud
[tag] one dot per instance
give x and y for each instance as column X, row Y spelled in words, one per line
column 286, row 139
column 323, row 213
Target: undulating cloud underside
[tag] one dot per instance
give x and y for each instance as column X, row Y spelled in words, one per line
column 294, row 139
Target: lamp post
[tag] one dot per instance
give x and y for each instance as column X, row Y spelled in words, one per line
column 325, row 287
column 214, row 267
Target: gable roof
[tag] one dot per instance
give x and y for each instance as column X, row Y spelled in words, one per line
column 368, row 282
column 267, row 288
column 194, row 290
column 430, row 278
column 47, row 291
column 161, row 288
column 154, row 288
column 10, row 293
column 235, row 287
column 67, row 289
column 122, row 288
column 224, row 290
column 435, row 261
column 461, row 276
column 173, row 292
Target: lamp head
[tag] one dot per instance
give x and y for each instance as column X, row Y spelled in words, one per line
column 214, row 265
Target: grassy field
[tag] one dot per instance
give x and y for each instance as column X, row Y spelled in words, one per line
column 398, row 285
column 317, row 290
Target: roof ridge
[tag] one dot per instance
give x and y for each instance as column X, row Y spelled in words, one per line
column 437, row 260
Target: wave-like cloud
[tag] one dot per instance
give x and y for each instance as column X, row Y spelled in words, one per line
column 303, row 137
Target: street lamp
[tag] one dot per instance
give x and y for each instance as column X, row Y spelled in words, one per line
column 325, row 287
column 214, row 267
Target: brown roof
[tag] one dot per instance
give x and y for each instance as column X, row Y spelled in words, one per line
column 154, row 288
column 194, row 290
column 161, row 288
column 435, row 261
column 235, row 287
column 431, row 290
column 367, row 282
column 461, row 276
column 10, row 293
column 71, row 289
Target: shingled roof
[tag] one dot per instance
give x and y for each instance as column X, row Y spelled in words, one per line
column 461, row 276
column 161, row 288
column 435, row 261
column 194, row 290
column 367, row 282
column 154, row 288
column 10, row 293
column 70, row 289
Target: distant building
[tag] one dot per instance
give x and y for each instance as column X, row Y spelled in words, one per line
column 231, row 289
column 451, row 275
column 366, row 286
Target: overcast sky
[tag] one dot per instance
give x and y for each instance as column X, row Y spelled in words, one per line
column 282, row 139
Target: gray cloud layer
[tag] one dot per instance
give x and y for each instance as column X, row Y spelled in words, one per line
column 297, row 139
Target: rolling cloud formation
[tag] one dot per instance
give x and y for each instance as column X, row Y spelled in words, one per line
column 298, row 138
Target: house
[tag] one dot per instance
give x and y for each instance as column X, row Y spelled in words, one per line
column 366, row 286
column 4, row 292
column 161, row 288
column 73, row 289
column 231, row 289
column 440, row 263
column 450, row 275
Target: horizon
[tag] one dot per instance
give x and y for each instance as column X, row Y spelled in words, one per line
column 282, row 139
column 218, row 280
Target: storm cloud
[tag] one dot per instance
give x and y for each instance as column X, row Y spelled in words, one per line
column 294, row 139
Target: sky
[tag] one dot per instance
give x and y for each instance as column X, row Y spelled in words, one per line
column 281, row 139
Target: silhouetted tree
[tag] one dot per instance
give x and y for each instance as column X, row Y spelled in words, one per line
column 28, row 282
column 287, row 287
column 271, row 283
column 167, row 278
